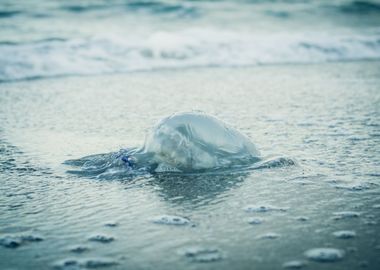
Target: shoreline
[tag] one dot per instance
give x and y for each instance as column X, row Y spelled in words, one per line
column 323, row 116
column 190, row 68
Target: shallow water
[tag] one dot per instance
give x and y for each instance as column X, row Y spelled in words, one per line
column 47, row 38
column 325, row 117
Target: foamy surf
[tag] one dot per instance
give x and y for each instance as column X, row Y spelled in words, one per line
column 188, row 48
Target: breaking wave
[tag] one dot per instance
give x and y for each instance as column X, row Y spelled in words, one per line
column 174, row 50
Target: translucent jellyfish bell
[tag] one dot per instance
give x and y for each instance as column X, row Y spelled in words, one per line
column 196, row 141
column 184, row 142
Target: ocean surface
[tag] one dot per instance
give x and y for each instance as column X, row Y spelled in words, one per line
column 300, row 78
column 44, row 38
column 324, row 117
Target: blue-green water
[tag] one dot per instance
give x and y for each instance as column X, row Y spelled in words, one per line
column 325, row 117
column 41, row 39
column 299, row 78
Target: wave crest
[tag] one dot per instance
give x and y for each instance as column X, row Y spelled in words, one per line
column 181, row 49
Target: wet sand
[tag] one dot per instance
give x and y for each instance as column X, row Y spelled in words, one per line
column 325, row 116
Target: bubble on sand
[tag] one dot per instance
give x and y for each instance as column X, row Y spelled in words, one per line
column 302, row 218
column 79, row 249
column 32, row 238
column 101, row 238
column 10, row 241
column 346, row 215
column 67, row 264
column 370, row 222
column 356, row 187
column 171, row 220
column 111, row 224
column 87, row 263
column 269, row 236
column 324, row 254
column 98, row 262
column 370, row 219
column 344, row 234
column 255, row 221
column 14, row 241
column 202, row 254
column 264, row 208
column 294, row 264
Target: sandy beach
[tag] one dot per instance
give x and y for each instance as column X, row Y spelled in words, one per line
column 324, row 117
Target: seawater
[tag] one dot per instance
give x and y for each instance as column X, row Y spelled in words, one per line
column 322, row 213
column 40, row 39
column 299, row 78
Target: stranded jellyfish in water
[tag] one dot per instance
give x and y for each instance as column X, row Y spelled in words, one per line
column 183, row 142
column 193, row 141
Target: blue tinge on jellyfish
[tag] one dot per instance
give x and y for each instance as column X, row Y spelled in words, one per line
column 189, row 142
